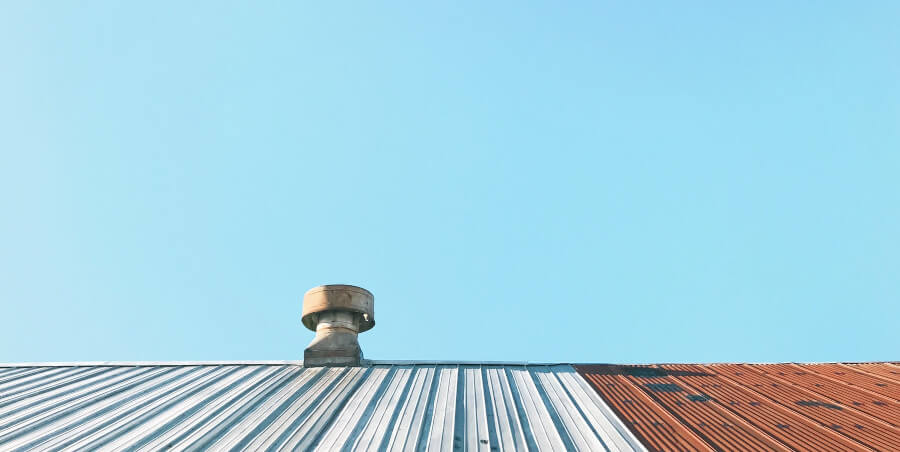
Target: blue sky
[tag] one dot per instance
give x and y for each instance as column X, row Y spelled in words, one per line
column 581, row 182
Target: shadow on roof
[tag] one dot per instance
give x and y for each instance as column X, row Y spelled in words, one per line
column 639, row 371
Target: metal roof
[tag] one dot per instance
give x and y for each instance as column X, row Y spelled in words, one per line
column 823, row 407
column 402, row 406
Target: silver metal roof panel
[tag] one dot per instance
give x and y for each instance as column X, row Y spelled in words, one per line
column 283, row 406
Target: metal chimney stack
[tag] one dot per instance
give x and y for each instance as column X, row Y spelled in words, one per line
column 337, row 313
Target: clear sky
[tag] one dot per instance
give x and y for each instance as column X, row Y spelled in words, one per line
column 566, row 181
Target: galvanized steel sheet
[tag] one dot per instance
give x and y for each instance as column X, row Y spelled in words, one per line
column 434, row 407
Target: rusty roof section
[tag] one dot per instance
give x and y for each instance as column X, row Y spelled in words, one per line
column 694, row 407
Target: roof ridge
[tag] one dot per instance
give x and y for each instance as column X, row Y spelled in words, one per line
column 367, row 362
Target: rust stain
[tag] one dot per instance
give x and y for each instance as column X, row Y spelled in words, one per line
column 655, row 427
column 819, row 407
column 850, row 375
column 837, row 390
column 885, row 370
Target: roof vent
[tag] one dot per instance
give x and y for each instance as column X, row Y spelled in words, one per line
column 337, row 313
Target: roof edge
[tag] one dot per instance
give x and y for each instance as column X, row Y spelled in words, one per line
column 725, row 363
column 368, row 362
column 365, row 363
column 151, row 363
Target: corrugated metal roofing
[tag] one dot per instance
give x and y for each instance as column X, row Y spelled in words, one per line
column 823, row 407
column 284, row 406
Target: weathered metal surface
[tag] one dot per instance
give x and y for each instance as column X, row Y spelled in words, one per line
column 340, row 297
column 337, row 313
column 289, row 407
column 823, row 407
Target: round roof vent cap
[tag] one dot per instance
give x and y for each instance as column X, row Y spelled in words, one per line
column 339, row 297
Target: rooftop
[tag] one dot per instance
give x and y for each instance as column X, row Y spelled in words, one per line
column 402, row 405
column 337, row 400
column 151, row 406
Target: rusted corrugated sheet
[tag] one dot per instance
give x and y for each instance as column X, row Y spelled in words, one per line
column 822, row 407
column 855, row 376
